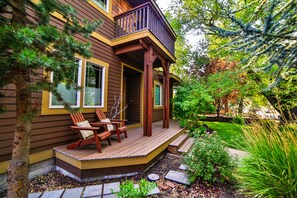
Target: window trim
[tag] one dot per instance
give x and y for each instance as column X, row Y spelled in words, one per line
column 45, row 110
column 98, row 4
column 107, row 12
column 78, row 91
column 103, row 85
column 157, row 83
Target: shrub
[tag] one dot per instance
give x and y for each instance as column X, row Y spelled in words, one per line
column 209, row 161
column 270, row 169
column 238, row 119
column 128, row 190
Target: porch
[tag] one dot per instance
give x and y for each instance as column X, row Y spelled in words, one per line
column 132, row 156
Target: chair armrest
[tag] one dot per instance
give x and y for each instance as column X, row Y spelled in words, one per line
column 84, row 128
column 105, row 123
column 118, row 120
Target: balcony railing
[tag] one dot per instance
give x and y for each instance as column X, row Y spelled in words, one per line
column 145, row 17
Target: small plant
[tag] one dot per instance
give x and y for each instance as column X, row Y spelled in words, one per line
column 270, row 169
column 238, row 119
column 128, row 189
column 209, row 161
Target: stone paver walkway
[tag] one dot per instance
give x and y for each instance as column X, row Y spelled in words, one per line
column 103, row 190
column 236, row 153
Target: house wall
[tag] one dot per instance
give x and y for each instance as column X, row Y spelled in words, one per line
column 120, row 6
column 49, row 131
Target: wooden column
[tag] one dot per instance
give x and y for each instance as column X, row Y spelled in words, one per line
column 166, row 87
column 148, row 92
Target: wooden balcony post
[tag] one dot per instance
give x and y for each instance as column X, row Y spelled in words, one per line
column 166, row 87
column 148, row 92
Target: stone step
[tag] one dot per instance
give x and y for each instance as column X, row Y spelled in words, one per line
column 178, row 177
column 177, row 143
column 186, row 146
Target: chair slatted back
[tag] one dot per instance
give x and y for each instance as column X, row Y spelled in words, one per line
column 77, row 117
column 100, row 114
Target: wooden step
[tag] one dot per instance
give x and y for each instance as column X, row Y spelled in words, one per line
column 177, row 143
column 186, row 146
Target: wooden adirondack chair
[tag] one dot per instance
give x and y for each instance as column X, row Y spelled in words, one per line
column 114, row 126
column 87, row 132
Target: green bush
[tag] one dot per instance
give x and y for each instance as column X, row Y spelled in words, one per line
column 127, row 189
column 270, row 169
column 209, row 161
column 238, row 120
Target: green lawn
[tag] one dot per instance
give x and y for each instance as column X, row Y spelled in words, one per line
column 230, row 133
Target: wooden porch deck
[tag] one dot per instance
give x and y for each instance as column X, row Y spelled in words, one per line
column 133, row 155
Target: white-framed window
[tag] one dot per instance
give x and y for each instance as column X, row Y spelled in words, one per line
column 71, row 95
column 104, row 4
column 94, row 85
column 158, row 95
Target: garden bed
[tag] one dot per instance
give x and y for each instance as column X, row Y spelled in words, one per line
column 55, row 180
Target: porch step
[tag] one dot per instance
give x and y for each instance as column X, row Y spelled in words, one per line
column 186, row 146
column 177, row 143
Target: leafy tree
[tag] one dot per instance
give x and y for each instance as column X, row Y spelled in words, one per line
column 222, row 87
column 29, row 45
column 191, row 100
column 263, row 32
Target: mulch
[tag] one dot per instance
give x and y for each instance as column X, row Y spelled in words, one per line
column 55, row 180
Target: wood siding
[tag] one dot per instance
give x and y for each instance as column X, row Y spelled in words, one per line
column 120, row 6
column 49, row 131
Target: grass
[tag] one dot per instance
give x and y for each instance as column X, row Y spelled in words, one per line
column 230, row 133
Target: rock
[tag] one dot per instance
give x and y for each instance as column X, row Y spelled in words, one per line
column 73, row 193
column 182, row 167
column 93, row 191
column 52, row 194
column 178, row 177
column 111, row 188
column 153, row 177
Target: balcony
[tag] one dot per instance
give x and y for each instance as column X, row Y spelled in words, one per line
column 146, row 17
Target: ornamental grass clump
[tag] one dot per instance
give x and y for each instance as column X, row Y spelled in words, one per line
column 208, row 161
column 270, row 169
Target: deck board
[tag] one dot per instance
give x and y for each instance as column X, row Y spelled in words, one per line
column 134, row 146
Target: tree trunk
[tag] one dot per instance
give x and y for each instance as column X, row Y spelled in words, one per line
column 18, row 170
column 226, row 105
column 240, row 106
column 218, row 108
column 287, row 115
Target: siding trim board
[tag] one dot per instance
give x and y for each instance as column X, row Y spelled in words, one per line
column 33, row 158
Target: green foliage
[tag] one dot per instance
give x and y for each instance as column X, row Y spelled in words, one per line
column 191, row 99
column 208, row 161
column 231, row 134
column 270, row 169
column 128, row 190
column 195, row 129
column 260, row 35
column 31, row 44
column 238, row 119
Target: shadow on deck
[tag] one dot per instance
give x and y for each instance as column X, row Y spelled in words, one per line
column 132, row 156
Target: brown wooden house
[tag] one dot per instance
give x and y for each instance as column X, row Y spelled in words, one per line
column 132, row 53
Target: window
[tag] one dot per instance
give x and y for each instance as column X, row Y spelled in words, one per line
column 90, row 74
column 71, row 95
column 102, row 4
column 94, row 85
column 158, row 95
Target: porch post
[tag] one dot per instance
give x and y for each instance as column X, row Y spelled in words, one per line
column 148, row 92
column 166, row 87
